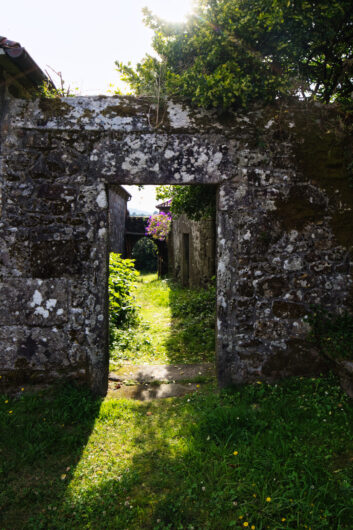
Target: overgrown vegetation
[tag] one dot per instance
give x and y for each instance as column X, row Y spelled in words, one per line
column 332, row 333
column 122, row 303
column 176, row 325
column 260, row 457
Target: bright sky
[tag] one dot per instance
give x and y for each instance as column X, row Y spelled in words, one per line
column 83, row 38
column 144, row 199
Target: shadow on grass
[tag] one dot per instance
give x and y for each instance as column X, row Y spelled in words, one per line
column 42, row 437
column 217, row 461
column 192, row 334
column 207, row 461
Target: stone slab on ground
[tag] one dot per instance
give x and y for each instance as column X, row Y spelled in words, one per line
column 164, row 372
column 150, row 392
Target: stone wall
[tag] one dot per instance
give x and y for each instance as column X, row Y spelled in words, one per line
column 193, row 252
column 284, row 228
column 118, row 198
column 135, row 229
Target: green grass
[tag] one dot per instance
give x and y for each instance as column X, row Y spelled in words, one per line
column 274, row 457
column 176, row 325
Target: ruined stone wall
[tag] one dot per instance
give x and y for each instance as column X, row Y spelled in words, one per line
column 280, row 247
column 201, row 240
column 279, row 237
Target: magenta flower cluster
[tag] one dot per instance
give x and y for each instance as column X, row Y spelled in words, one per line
column 159, row 225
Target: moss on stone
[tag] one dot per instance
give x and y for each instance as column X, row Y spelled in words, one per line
column 87, row 113
column 295, row 211
column 323, row 146
column 342, row 224
column 54, row 107
column 127, row 107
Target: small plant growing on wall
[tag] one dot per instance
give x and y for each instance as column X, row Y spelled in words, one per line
column 50, row 90
column 158, row 226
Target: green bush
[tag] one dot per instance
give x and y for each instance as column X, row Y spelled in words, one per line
column 145, row 255
column 333, row 333
column 122, row 304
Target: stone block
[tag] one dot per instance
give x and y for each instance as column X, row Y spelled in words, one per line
column 53, row 259
column 284, row 309
column 33, row 302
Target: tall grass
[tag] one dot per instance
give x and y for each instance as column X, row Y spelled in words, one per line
column 176, row 325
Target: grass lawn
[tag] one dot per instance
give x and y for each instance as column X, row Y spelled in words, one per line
column 262, row 456
column 176, row 325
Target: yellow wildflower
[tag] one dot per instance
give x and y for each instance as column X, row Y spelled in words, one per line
column 10, row 411
column 241, row 516
column 22, row 389
column 283, row 519
column 6, row 400
column 245, row 523
column 252, row 527
column 235, row 453
column 268, row 499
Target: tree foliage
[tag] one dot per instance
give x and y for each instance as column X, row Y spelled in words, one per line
column 196, row 201
column 233, row 53
column 145, row 255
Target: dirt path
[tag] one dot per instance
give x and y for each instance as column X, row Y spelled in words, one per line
column 177, row 326
column 170, row 353
column 147, row 382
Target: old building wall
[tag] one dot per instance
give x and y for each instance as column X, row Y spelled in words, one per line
column 193, row 250
column 284, row 228
column 118, row 198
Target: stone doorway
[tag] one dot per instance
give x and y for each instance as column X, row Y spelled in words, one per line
column 58, row 159
column 167, row 348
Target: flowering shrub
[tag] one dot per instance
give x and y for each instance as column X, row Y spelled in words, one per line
column 159, row 225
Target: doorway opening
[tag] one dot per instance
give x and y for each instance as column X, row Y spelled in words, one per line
column 171, row 295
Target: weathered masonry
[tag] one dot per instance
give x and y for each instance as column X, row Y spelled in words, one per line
column 284, row 228
column 117, row 198
column 191, row 249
